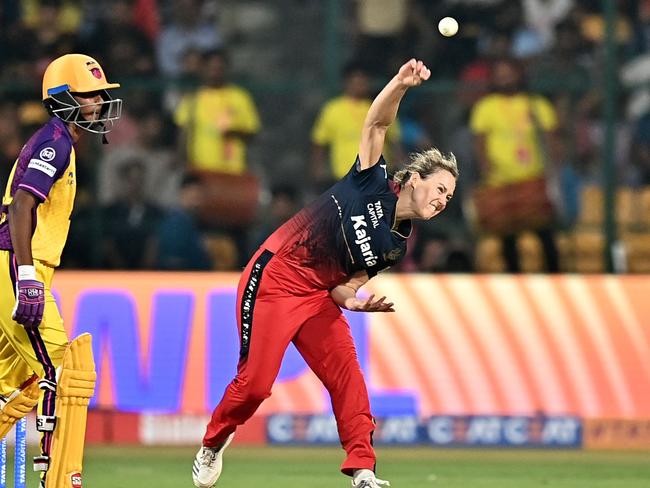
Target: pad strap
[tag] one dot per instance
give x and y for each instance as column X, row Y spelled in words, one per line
column 45, row 423
column 41, row 463
column 45, row 384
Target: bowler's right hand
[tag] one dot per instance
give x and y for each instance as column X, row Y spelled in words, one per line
column 413, row 73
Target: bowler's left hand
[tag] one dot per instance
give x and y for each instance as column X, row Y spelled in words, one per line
column 369, row 305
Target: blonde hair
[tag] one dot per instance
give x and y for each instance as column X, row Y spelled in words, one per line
column 426, row 163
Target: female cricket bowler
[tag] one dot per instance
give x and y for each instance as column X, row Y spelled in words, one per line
column 34, row 221
column 295, row 285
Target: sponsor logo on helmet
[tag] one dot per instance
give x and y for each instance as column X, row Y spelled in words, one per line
column 97, row 73
column 75, row 479
column 47, row 154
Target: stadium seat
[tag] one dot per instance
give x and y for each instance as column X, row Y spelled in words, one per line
column 626, row 208
column 222, row 251
column 637, row 246
column 565, row 249
column 588, row 251
column 591, row 206
column 644, row 207
column 588, row 243
column 589, row 264
column 531, row 253
column 488, row 256
column 639, row 265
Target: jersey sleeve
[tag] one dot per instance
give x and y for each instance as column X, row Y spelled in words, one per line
column 246, row 119
column 182, row 113
column 545, row 114
column 373, row 180
column 47, row 164
column 480, row 117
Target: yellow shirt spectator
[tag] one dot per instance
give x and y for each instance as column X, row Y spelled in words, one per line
column 207, row 116
column 511, row 137
column 339, row 127
column 68, row 15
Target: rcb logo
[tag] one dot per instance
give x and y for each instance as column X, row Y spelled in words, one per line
column 393, row 255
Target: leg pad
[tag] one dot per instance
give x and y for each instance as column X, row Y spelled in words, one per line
column 75, row 388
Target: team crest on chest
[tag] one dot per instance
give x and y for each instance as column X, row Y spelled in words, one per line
column 393, row 255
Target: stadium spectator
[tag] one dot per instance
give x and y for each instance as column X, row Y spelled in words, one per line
column 43, row 39
column 475, row 76
column 544, row 15
column 635, row 72
column 130, row 220
column 563, row 75
column 217, row 120
column 179, row 243
column 152, row 147
column 188, row 29
column 640, row 42
column 338, row 127
column 284, row 203
column 526, row 40
column 10, row 139
column 514, row 134
column 67, row 14
column 589, row 16
column 641, row 151
column 131, row 51
column 437, row 253
column 380, row 24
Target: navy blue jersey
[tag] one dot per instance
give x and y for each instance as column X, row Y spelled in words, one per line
column 349, row 228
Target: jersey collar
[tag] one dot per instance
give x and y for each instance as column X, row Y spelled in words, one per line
column 63, row 127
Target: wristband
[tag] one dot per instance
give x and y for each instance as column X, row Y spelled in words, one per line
column 26, row 272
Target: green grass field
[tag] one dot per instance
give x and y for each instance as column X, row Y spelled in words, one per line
column 128, row 467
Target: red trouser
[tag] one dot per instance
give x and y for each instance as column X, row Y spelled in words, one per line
column 276, row 307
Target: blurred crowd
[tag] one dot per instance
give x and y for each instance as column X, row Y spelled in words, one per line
column 232, row 121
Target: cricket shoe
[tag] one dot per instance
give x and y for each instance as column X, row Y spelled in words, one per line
column 365, row 478
column 208, row 463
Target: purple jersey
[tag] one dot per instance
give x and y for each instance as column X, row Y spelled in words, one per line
column 349, row 228
column 40, row 168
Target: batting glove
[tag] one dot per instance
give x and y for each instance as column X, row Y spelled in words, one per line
column 30, row 302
